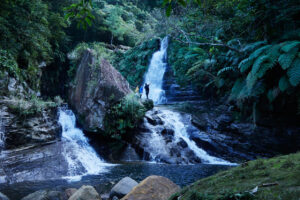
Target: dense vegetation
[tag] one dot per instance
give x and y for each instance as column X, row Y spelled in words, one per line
column 276, row 178
column 245, row 50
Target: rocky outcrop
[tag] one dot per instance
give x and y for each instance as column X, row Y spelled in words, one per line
column 123, row 187
column 153, row 187
column 85, row 193
column 97, row 84
column 19, row 130
column 33, row 163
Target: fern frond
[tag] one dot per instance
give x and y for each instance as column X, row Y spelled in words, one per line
column 274, row 53
column 285, row 60
column 294, row 72
column 258, row 62
column 252, row 46
column 264, row 68
column 225, row 69
column 289, row 46
column 259, row 51
column 245, row 65
column 237, row 88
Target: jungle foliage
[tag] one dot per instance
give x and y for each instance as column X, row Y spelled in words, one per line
column 246, row 50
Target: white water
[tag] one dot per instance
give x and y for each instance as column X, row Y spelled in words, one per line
column 81, row 157
column 173, row 119
column 156, row 72
column 156, row 145
column 2, row 136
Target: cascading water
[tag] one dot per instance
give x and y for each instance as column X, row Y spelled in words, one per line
column 2, row 136
column 155, row 73
column 161, row 145
column 81, row 157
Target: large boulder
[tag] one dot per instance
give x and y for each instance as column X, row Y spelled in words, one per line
column 44, row 194
column 97, row 84
column 123, row 187
column 153, row 187
column 3, row 196
column 85, row 193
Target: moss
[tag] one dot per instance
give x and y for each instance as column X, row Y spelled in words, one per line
column 283, row 172
column 33, row 106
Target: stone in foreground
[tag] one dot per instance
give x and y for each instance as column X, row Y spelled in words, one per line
column 123, row 187
column 86, row 192
column 153, row 187
column 42, row 195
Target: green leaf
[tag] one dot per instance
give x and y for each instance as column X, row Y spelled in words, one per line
column 284, row 83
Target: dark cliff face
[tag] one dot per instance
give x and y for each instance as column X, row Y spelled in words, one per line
column 97, row 84
column 25, row 120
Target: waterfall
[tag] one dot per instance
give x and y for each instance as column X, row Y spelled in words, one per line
column 156, row 144
column 81, row 157
column 156, row 72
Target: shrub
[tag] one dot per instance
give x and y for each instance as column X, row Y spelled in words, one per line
column 123, row 117
column 148, row 104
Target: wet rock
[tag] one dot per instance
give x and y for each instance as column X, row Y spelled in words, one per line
column 153, row 187
column 85, row 193
column 223, row 121
column 167, row 131
column 154, row 120
column 44, row 161
column 123, row 187
column 182, row 143
column 3, row 196
column 44, row 194
column 96, row 85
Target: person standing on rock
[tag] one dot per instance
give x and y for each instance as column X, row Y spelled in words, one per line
column 147, row 89
column 141, row 91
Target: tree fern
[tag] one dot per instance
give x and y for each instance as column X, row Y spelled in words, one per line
column 294, row 72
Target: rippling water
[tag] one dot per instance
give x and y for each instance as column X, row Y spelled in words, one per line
column 180, row 174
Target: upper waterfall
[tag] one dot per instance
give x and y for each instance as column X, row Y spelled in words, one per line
column 156, row 72
column 81, row 157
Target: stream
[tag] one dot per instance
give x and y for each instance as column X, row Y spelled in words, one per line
column 72, row 161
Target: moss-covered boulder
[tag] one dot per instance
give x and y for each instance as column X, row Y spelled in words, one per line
column 97, row 85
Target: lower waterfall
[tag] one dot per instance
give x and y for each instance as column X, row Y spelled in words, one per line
column 168, row 140
column 81, row 157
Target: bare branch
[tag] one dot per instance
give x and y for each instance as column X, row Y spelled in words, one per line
column 206, row 44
